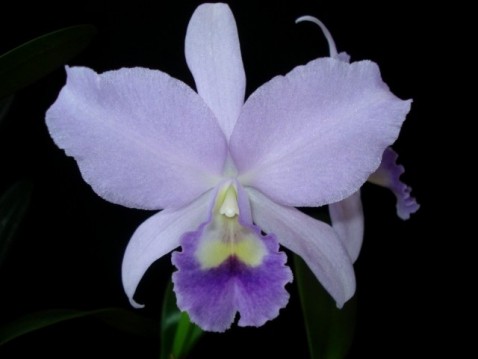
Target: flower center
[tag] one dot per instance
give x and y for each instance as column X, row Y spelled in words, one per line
column 229, row 206
column 226, row 238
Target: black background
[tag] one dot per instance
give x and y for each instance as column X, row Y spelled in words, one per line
column 69, row 250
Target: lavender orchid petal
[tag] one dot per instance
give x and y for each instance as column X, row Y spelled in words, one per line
column 213, row 296
column 314, row 136
column 141, row 138
column 227, row 266
column 157, row 236
column 316, row 242
column 348, row 221
column 388, row 175
column 214, row 57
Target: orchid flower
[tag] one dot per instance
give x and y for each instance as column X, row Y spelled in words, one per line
column 347, row 215
column 227, row 173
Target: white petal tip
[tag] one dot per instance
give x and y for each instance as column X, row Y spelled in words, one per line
column 306, row 18
column 135, row 305
column 348, row 295
column 326, row 32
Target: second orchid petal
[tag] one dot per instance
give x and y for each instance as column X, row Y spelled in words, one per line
column 388, row 176
column 348, row 221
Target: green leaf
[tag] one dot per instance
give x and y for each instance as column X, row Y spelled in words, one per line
column 5, row 104
column 31, row 61
column 178, row 334
column 129, row 321
column 118, row 318
column 330, row 330
column 13, row 206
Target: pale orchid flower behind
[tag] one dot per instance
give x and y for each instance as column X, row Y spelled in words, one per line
column 224, row 171
column 347, row 215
